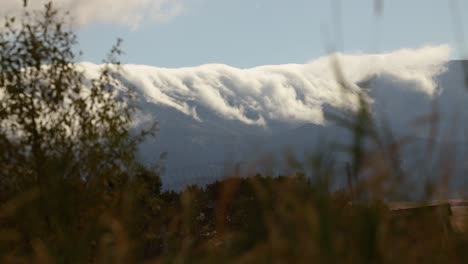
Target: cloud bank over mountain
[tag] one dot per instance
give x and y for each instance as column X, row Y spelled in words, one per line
column 292, row 93
column 124, row 12
column 215, row 113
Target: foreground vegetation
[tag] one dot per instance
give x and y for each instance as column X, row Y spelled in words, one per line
column 72, row 191
column 254, row 220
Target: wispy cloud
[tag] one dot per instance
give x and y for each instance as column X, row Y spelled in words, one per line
column 130, row 13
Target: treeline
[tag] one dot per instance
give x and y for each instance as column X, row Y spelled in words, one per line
column 251, row 220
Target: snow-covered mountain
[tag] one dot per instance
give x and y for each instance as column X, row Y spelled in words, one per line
column 212, row 114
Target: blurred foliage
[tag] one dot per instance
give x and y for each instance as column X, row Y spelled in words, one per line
column 72, row 191
column 66, row 142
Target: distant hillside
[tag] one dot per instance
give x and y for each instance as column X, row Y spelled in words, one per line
column 212, row 114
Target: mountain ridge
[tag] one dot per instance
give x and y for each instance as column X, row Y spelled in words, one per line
column 213, row 114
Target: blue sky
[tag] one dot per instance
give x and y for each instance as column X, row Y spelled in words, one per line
column 247, row 33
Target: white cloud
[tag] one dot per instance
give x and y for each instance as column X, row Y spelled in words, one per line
column 285, row 93
column 124, row 12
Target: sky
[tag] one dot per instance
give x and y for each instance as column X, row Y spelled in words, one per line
column 248, row 33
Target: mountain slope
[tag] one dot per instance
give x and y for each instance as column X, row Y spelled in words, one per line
column 216, row 113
